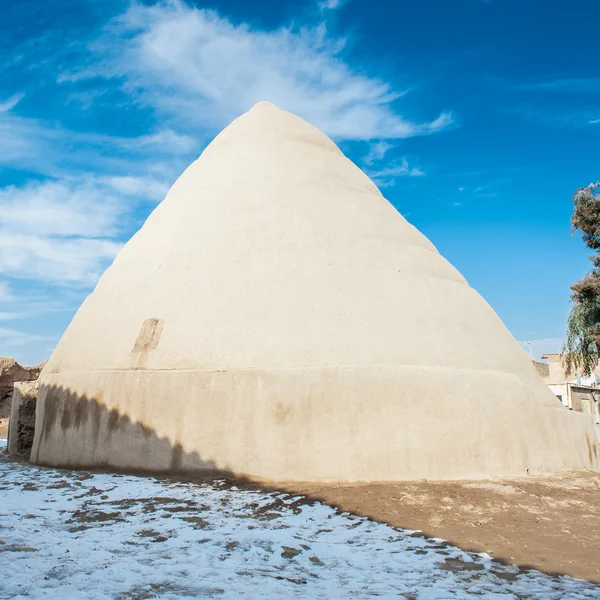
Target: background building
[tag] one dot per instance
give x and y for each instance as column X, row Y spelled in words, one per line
column 576, row 391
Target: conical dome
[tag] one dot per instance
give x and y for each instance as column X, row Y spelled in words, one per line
column 276, row 317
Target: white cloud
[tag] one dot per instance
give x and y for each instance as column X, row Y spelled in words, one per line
column 59, row 231
column 24, row 313
column 6, row 293
column 146, row 187
column 377, row 151
column 384, row 177
column 164, row 141
column 331, row 4
column 67, row 260
column 197, row 69
column 23, row 140
column 29, row 299
column 50, row 149
column 68, row 229
column 10, row 103
column 572, row 84
column 60, row 208
column 11, row 337
column 576, row 118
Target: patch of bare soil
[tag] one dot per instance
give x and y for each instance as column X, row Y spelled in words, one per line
column 3, row 429
column 548, row 523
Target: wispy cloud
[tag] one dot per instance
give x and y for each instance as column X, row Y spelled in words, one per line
column 51, row 149
column 147, row 187
column 60, row 208
column 331, row 4
column 10, row 103
column 22, row 140
column 11, row 338
column 69, row 260
column 69, row 225
column 386, row 176
column 487, row 189
column 195, row 68
column 6, row 293
column 569, row 85
column 59, row 230
column 557, row 102
column 25, row 308
column 576, row 118
column 377, row 151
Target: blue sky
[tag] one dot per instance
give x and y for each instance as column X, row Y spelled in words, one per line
column 477, row 119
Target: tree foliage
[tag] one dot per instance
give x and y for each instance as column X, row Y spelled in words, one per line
column 581, row 349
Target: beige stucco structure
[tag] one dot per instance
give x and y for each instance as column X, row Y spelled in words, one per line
column 556, row 372
column 581, row 398
column 276, row 317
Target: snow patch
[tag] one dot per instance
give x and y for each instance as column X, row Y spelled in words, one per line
column 76, row 535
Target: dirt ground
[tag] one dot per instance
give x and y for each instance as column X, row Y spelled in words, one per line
column 551, row 524
column 548, row 523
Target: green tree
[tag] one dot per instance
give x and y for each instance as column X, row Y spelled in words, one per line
column 581, row 349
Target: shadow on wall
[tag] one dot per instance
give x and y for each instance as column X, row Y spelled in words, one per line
column 73, row 430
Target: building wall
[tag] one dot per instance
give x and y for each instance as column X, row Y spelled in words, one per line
column 561, row 392
column 556, row 372
column 585, row 401
column 581, row 399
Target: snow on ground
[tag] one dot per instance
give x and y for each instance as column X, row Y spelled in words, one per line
column 75, row 535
